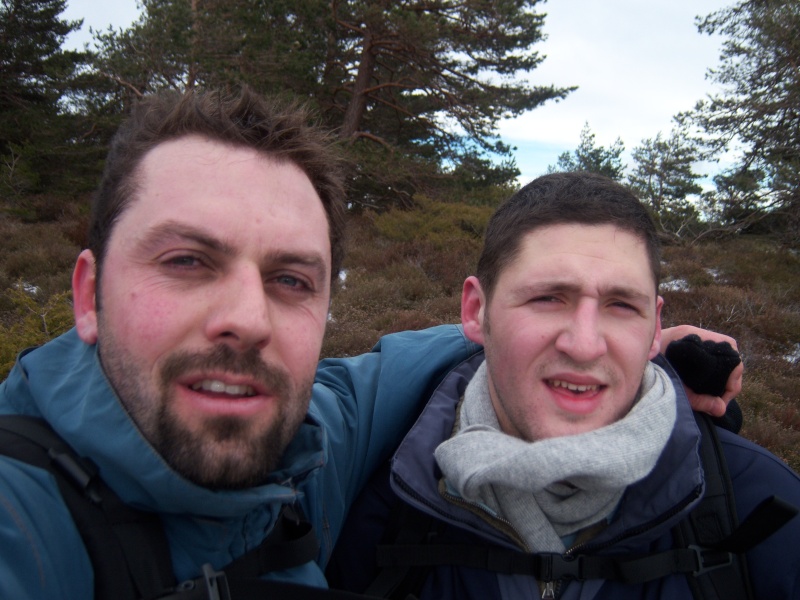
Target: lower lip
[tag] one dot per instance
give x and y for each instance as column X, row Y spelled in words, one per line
column 577, row 405
column 221, row 405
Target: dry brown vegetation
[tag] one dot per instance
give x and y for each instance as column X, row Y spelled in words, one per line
column 405, row 269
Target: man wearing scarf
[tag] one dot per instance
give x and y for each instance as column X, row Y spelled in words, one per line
column 567, row 435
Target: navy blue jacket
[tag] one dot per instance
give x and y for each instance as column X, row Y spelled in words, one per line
column 642, row 524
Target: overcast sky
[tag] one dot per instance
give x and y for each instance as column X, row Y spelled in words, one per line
column 636, row 62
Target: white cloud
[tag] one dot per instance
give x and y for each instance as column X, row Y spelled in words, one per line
column 98, row 14
column 636, row 64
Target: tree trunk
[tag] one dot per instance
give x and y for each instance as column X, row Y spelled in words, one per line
column 358, row 100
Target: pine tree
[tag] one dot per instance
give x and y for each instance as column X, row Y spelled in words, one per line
column 588, row 156
column 759, row 107
column 37, row 80
column 415, row 89
column 663, row 177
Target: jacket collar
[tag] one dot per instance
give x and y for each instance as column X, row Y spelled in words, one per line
column 647, row 509
column 64, row 383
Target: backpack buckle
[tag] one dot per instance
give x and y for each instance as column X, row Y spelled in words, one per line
column 213, row 585
column 216, row 583
column 709, row 560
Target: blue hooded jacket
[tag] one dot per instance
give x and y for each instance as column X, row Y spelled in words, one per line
column 359, row 410
column 641, row 524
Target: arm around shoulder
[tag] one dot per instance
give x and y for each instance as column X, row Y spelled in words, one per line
column 368, row 402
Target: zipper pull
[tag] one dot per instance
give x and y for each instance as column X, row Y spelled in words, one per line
column 549, row 591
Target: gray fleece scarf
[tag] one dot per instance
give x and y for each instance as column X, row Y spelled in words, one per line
column 551, row 488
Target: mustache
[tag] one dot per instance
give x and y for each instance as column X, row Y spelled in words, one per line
column 224, row 358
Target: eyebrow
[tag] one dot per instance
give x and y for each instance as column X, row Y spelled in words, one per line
column 170, row 230
column 173, row 230
column 555, row 287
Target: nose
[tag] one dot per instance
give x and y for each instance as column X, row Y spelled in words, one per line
column 240, row 316
column 581, row 337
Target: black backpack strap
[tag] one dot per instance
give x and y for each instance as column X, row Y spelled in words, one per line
column 711, row 521
column 127, row 547
column 713, row 527
column 260, row 589
column 405, row 526
column 215, row 585
column 709, row 549
column 291, row 543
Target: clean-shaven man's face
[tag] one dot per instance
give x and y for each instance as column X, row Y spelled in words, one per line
column 573, row 320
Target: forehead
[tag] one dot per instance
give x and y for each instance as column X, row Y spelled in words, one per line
column 587, row 253
column 236, row 192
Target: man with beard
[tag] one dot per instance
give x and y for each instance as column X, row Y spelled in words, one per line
column 189, row 378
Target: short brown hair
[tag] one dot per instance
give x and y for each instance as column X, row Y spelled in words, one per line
column 282, row 131
column 557, row 198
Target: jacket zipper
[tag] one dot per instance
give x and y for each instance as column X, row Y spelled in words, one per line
column 640, row 529
column 550, row 589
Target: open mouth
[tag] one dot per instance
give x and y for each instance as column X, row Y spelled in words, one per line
column 574, row 388
column 220, row 387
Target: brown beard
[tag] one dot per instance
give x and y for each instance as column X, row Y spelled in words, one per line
column 228, row 452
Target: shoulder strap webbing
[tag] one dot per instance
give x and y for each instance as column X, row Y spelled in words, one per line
column 127, row 547
column 214, row 585
column 713, row 520
column 291, row 543
column 713, row 524
column 632, row 569
column 406, row 526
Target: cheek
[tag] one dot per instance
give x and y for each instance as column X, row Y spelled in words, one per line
column 148, row 324
column 523, row 342
column 299, row 341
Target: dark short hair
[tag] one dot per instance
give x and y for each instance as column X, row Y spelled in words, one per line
column 563, row 198
column 280, row 130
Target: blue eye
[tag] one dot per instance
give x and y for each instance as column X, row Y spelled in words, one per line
column 185, row 260
column 288, row 280
column 294, row 283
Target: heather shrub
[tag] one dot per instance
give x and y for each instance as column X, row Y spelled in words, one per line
column 749, row 288
column 398, row 285
column 35, row 323
column 770, row 419
column 443, row 224
column 347, row 334
column 38, row 254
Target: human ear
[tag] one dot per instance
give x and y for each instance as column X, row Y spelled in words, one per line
column 655, row 348
column 473, row 306
column 84, row 288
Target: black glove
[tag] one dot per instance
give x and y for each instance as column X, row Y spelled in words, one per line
column 705, row 367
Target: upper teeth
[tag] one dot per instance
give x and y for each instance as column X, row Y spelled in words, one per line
column 574, row 387
column 213, row 385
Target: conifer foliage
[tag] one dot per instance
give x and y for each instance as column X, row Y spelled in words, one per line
column 414, row 88
column 37, row 78
column 758, row 108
